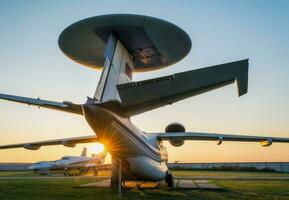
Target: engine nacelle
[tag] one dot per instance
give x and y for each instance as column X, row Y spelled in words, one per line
column 267, row 142
column 177, row 143
column 68, row 144
column 173, row 128
column 31, row 147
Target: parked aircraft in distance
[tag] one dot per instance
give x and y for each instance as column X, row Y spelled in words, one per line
column 71, row 162
column 122, row 44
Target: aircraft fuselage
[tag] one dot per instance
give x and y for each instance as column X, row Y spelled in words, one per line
column 142, row 154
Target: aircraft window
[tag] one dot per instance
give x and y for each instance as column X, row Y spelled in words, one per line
column 65, row 158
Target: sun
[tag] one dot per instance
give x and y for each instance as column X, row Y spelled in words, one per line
column 97, row 148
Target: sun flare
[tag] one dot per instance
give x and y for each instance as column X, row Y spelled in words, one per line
column 97, row 148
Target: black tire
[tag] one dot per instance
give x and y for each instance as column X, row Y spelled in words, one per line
column 169, row 180
column 114, row 182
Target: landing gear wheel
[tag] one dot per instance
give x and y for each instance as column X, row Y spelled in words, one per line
column 65, row 172
column 114, row 182
column 169, row 179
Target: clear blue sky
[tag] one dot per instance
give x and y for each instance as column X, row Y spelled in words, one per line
column 31, row 64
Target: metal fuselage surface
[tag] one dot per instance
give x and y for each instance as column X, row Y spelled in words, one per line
column 144, row 156
column 66, row 162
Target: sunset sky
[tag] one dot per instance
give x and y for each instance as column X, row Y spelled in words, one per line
column 32, row 65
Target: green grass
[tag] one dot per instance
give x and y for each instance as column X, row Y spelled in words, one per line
column 10, row 174
column 185, row 173
column 64, row 189
column 25, row 174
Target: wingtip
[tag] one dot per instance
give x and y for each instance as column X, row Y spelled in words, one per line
column 242, row 77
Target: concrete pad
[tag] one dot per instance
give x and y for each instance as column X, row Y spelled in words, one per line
column 186, row 184
column 140, row 185
column 195, row 184
column 148, row 185
column 207, row 186
column 176, row 183
column 201, row 181
column 179, row 184
column 126, row 185
column 130, row 184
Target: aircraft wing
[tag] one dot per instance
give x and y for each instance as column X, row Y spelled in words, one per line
column 264, row 140
column 64, row 106
column 90, row 165
column 142, row 96
column 68, row 142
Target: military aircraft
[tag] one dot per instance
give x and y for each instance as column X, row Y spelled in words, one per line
column 69, row 162
column 121, row 44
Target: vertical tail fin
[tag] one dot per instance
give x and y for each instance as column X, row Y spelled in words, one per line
column 84, row 152
column 117, row 69
column 100, row 157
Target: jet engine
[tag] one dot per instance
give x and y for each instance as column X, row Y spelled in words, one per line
column 31, row 147
column 68, row 144
column 173, row 128
column 267, row 142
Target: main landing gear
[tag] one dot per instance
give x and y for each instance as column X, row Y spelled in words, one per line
column 169, row 179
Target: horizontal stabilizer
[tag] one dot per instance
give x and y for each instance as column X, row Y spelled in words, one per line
column 142, row 96
column 64, row 106
column 68, row 142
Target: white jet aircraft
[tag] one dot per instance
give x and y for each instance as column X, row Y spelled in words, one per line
column 122, row 44
column 67, row 162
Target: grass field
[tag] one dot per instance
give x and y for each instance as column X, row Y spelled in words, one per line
column 192, row 173
column 61, row 188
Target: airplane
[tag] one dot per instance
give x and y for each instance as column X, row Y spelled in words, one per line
column 120, row 45
column 68, row 162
